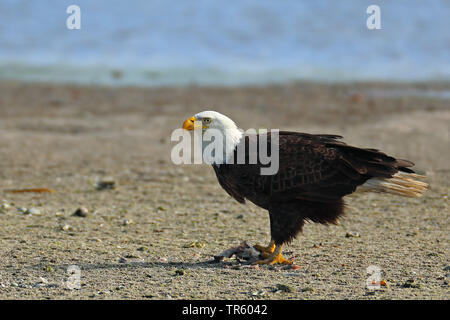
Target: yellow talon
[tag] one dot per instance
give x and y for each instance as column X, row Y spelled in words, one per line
column 265, row 252
column 274, row 257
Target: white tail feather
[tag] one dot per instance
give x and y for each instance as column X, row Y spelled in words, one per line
column 401, row 183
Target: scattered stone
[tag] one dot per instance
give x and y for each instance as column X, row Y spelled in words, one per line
column 43, row 280
column 33, row 211
column 142, row 248
column 66, row 227
column 307, row 289
column 126, row 222
column 411, row 283
column 48, row 269
column 195, row 244
column 81, row 212
column 352, row 234
column 258, row 293
column 59, row 214
column 41, row 283
column 180, row 272
column 284, row 288
column 105, row 184
column 4, row 206
column 22, row 210
column 123, row 260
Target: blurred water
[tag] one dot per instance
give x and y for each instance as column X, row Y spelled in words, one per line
column 160, row 42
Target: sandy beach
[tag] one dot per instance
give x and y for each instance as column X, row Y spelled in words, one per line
column 154, row 234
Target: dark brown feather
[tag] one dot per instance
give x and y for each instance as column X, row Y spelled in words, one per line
column 315, row 172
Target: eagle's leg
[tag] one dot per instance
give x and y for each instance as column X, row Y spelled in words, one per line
column 265, row 252
column 274, row 257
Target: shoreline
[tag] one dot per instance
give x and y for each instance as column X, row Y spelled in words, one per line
column 437, row 84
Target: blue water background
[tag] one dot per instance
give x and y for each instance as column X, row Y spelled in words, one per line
column 179, row 42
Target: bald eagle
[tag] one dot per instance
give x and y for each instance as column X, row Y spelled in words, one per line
column 315, row 172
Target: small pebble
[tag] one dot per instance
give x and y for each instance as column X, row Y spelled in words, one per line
column 105, row 184
column 48, row 269
column 33, row 211
column 195, row 244
column 411, row 283
column 126, row 222
column 123, row 260
column 81, row 212
column 5, row 205
column 66, row 227
column 352, row 234
column 22, row 210
column 43, row 280
column 284, row 288
column 180, row 272
column 258, row 293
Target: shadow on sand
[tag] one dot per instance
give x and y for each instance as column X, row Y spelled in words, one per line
column 210, row 264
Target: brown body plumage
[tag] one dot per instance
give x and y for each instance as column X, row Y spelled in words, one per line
column 315, row 173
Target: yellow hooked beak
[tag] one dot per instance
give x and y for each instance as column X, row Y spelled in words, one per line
column 188, row 124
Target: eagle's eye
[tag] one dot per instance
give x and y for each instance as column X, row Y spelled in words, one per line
column 206, row 120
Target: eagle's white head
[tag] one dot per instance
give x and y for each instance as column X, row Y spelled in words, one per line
column 216, row 122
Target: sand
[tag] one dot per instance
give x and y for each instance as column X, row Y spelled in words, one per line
column 153, row 236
